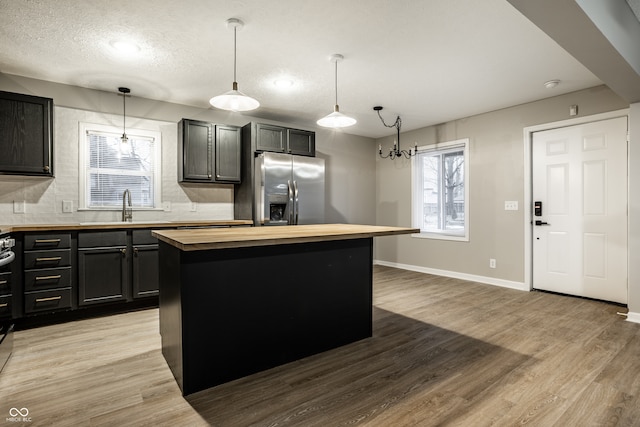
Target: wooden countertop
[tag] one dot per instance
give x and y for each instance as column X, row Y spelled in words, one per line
column 219, row 238
column 121, row 225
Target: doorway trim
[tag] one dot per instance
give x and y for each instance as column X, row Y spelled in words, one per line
column 528, row 181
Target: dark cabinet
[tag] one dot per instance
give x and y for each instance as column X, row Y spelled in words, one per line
column 228, row 154
column 208, row 153
column 301, row 142
column 103, row 267
column 26, row 134
column 48, row 272
column 5, row 292
column 284, row 140
column 145, row 264
column 270, row 138
column 196, row 150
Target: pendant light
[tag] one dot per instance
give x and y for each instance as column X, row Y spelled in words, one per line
column 336, row 119
column 125, row 147
column 234, row 100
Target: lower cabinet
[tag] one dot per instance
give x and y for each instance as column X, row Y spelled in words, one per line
column 80, row 269
column 102, row 267
column 48, row 273
column 102, row 275
column 115, row 267
column 5, row 292
column 145, row 264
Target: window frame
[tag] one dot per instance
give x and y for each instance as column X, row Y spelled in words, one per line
column 417, row 189
column 83, row 165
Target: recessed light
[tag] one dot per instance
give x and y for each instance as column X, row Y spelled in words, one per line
column 125, row 47
column 551, row 84
column 283, row 83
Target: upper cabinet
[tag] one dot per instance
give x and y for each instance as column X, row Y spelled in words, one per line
column 26, row 134
column 208, row 153
column 301, row 142
column 284, row 140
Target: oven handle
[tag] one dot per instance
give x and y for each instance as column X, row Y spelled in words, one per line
column 8, row 259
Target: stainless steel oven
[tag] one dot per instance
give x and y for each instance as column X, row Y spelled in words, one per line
column 7, row 256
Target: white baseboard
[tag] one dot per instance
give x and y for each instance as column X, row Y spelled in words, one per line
column 633, row 317
column 456, row 275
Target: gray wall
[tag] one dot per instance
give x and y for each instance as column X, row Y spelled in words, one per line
column 350, row 193
column 496, row 174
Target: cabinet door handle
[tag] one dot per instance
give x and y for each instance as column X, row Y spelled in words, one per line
column 3, row 282
column 49, row 259
column 135, row 251
column 58, row 276
column 123, row 251
column 59, row 297
column 46, row 168
column 47, row 241
column 4, row 305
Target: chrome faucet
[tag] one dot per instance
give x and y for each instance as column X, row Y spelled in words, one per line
column 127, row 213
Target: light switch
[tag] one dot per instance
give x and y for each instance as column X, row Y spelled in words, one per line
column 511, row 205
column 18, row 206
column 67, row 206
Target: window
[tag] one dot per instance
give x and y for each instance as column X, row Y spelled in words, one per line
column 108, row 168
column 440, row 191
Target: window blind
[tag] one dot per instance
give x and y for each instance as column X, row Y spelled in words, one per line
column 111, row 170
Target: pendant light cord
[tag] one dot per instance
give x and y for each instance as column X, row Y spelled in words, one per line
column 336, row 82
column 124, row 114
column 235, row 36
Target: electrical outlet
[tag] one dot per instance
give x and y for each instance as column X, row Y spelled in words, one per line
column 492, row 263
column 511, row 205
column 67, row 206
column 573, row 110
column 194, row 206
column 166, row 206
column 19, row 206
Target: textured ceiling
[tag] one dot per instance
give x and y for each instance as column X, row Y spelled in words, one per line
column 429, row 61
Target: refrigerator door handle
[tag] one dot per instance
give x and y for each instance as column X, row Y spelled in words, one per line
column 291, row 202
column 296, row 200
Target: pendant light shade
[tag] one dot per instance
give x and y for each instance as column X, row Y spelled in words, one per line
column 234, row 100
column 336, row 119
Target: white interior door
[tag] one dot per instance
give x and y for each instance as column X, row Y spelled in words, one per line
column 580, row 235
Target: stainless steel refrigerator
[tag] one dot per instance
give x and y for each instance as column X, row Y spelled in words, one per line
column 289, row 189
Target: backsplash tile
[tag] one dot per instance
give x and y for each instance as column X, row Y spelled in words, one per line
column 44, row 196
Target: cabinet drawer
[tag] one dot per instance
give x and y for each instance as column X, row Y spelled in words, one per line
column 44, row 259
column 5, row 306
column 46, row 241
column 5, row 283
column 47, row 278
column 56, row 299
column 98, row 239
column 143, row 237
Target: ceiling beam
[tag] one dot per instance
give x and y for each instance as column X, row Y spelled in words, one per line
column 566, row 22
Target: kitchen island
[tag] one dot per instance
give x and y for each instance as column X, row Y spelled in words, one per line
column 238, row 301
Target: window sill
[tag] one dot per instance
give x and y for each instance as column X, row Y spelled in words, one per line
column 118, row 209
column 438, row 236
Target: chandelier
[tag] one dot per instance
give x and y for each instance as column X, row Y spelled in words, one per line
column 395, row 152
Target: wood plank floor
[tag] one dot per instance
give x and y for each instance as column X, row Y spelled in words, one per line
column 445, row 352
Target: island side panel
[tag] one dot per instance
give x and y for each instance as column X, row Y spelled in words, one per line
column 170, row 308
column 245, row 310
